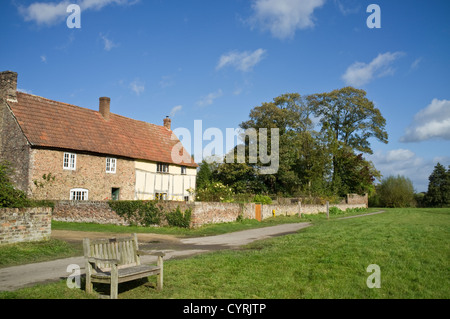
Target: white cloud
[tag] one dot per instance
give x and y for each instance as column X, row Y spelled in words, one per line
column 415, row 64
column 175, row 110
column 283, row 17
column 43, row 59
column 166, row 81
column 137, row 86
column 44, row 13
column 406, row 163
column 348, row 8
column 360, row 73
column 243, row 61
column 24, row 91
column 209, row 99
column 108, row 44
column 429, row 123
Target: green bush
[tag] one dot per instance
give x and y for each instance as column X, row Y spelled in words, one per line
column 215, row 192
column 333, row 210
column 396, row 192
column 263, row 199
column 178, row 219
column 137, row 212
column 9, row 195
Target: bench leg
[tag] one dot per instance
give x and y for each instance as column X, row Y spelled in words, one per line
column 89, row 285
column 159, row 277
column 114, row 282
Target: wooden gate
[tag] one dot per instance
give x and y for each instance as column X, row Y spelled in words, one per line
column 258, row 212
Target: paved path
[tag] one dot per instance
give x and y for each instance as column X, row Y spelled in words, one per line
column 16, row 277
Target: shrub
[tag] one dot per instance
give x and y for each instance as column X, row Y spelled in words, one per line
column 333, row 210
column 215, row 192
column 396, row 192
column 139, row 212
column 178, row 219
column 263, row 199
column 9, row 195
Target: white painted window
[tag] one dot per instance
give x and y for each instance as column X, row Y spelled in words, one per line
column 162, row 168
column 70, row 161
column 111, row 165
column 79, row 194
column 183, row 170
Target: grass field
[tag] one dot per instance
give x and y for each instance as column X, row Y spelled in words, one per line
column 327, row 260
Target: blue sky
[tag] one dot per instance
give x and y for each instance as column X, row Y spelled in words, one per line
column 216, row 60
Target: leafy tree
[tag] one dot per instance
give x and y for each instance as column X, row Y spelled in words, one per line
column 351, row 116
column 204, row 175
column 396, row 192
column 357, row 175
column 348, row 119
column 438, row 193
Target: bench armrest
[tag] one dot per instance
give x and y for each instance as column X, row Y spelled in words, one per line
column 151, row 253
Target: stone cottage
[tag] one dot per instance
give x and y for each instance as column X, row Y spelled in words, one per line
column 65, row 152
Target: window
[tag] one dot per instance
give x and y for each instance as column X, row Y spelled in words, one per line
column 183, row 170
column 79, row 194
column 186, row 198
column 111, row 165
column 161, row 196
column 70, row 161
column 162, row 168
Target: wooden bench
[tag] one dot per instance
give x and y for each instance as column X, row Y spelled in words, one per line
column 116, row 260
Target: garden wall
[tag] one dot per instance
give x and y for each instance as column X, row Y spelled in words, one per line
column 202, row 212
column 25, row 224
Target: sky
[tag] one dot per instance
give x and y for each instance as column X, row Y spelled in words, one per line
column 214, row 60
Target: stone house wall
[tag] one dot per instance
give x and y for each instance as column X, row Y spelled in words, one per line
column 90, row 174
column 14, row 147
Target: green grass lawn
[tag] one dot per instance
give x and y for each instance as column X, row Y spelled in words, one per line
column 327, row 260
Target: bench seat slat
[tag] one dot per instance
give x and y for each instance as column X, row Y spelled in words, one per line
column 129, row 271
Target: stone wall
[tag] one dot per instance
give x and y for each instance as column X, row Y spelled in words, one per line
column 202, row 212
column 25, row 224
column 86, row 212
column 211, row 213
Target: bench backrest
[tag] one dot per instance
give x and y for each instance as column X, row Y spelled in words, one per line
column 123, row 249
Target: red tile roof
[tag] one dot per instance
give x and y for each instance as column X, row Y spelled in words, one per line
column 52, row 124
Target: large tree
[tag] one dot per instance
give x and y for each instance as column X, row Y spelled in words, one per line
column 349, row 120
column 290, row 114
column 438, row 187
column 350, row 116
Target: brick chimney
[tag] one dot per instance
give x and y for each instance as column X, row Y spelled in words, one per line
column 167, row 122
column 8, row 86
column 104, row 107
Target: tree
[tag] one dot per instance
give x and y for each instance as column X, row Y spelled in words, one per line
column 348, row 119
column 351, row 116
column 396, row 192
column 438, row 193
column 290, row 114
column 204, row 175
